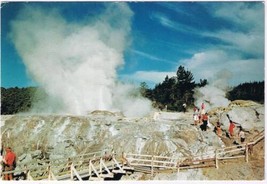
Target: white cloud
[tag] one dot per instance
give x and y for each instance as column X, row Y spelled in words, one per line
column 247, row 32
column 248, row 15
column 206, row 65
column 245, row 37
column 164, row 20
column 242, row 38
column 248, row 43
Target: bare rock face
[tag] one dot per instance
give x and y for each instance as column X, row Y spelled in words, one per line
column 64, row 136
column 248, row 114
column 161, row 133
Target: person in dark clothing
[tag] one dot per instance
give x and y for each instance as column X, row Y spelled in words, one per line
column 205, row 119
column 2, row 150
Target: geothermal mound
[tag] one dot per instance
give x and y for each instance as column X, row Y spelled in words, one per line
column 161, row 133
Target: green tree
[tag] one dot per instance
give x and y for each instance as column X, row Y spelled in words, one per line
column 175, row 91
column 14, row 100
column 184, row 87
column 248, row 91
column 202, row 83
column 145, row 91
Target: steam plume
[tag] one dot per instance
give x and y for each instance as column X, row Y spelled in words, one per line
column 75, row 63
column 213, row 95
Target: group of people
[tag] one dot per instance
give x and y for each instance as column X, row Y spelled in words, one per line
column 8, row 162
column 201, row 117
column 231, row 131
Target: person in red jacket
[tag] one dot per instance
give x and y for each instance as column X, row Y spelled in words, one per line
column 9, row 161
column 231, row 128
column 205, row 120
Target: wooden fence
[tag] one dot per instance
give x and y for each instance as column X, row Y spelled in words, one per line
column 94, row 165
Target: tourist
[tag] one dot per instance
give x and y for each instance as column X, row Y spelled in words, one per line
column 218, row 129
column 184, row 107
column 1, row 160
column 205, row 119
column 107, row 157
column 203, row 108
column 9, row 163
column 2, row 150
column 124, row 159
column 231, row 129
column 202, row 112
column 196, row 116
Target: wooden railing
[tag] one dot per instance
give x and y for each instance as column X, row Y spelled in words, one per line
column 90, row 164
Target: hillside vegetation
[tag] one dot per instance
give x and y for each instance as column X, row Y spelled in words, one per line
column 173, row 92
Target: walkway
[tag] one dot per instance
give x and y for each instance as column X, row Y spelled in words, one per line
column 104, row 165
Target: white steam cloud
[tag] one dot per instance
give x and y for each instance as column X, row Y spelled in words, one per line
column 213, row 94
column 76, row 63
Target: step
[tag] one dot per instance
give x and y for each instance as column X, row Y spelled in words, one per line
column 118, row 171
column 95, row 179
column 107, row 175
column 127, row 168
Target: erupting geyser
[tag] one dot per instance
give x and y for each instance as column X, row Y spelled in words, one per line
column 76, row 63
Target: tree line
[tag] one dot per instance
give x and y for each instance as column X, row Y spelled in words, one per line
column 248, row 91
column 14, row 100
column 173, row 92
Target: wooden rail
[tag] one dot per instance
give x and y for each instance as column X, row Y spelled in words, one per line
column 89, row 164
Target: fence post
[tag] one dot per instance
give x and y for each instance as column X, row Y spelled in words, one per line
column 49, row 173
column 246, row 152
column 100, row 165
column 178, row 166
column 29, row 177
column 152, row 166
column 90, row 170
column 216, row 159
column 71, row 172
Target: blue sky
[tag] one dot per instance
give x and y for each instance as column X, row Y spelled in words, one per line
column 208, row 38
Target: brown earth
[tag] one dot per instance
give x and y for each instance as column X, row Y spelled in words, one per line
column 239, row 169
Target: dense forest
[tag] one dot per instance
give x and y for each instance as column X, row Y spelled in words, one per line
column 14, row 100
column 248, row 91
column 172, row 92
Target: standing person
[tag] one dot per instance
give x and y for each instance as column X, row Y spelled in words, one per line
column 2, row 150
column 124, row 159
column 202, row 106
column 196, row 115
column 184, row 107
column 202, row 112
column 205, row 119
column 166, row 108
column 1, row 161
column 231, row 129
column 241, row 134
column 9, row 160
